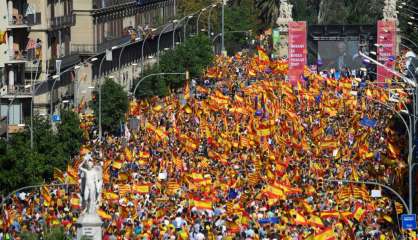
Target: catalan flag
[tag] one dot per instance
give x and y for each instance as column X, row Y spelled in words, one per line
column 58, row 175
column 124, row 189
column 45, row 194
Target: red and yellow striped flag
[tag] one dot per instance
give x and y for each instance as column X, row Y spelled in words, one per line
column 141, row 188
column 326, row 234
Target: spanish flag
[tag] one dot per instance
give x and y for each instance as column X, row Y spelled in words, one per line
column 326, row 234
column 273, row 191
column 103, row 215
column 202, row 204
column 263, row 130
column 110, row 196
column 141, row 189
column 262, row 54
column 298, row 218
column 315, row 221
column 359, row 213
column 75, row 202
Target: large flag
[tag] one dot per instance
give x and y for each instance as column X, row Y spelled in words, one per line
column 326, row 234
column 141, row 188
column 262, row 54
column 202, row 204
column 359, row 213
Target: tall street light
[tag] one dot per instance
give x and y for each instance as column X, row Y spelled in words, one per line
column 120, row 55
column 142, row 49
column 410, row 147
column 159, row 38
column 209, row 18
column 223, row 26
column 198, row 18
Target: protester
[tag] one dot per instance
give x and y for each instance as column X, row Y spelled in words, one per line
column 250, row 158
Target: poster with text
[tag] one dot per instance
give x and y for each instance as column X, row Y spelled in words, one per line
column 297, row 51
column 386, row 51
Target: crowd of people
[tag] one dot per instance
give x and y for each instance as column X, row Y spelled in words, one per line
column 243, row 154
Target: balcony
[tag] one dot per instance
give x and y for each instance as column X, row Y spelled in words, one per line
column 61, row 22
column 99, row 4
column 21, row 21
column 89, row 49
column 17, row 90
column 21, row 56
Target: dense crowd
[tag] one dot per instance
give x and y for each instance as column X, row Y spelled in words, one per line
column 241, row 154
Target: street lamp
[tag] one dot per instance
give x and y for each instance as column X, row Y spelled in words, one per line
column 121, row 52
column 99, row 75
column 209, row 15
column 197, row 22
column 142, row 49
column 410, row 147
column 185, row 26
column 56, row 78
column 159, row 38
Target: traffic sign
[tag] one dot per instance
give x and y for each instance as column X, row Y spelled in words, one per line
column 56, row 118
column 409, row 221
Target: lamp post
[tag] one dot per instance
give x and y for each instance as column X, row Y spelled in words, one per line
column 209, row 15
column 185, row 26
column 159, row 38
column 197, row 22
column 157, row 74
column 174, row 30
column 51, row 106
column 8, row 116
column 373, row 184
column 121, row 52
column 410, row 148
column 142, row 49
column 99, row 75
column 223, row 26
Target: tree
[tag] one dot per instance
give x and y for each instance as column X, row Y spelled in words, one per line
column 269, row 10
column 241, row 16
column 114, row 106
column 69, row 132
column 194, row 55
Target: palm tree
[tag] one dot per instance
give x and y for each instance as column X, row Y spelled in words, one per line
column 269, row 10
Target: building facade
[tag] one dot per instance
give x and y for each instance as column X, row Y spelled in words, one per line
column 42, row 40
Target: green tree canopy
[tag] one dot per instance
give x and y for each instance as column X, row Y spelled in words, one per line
column 114, row 105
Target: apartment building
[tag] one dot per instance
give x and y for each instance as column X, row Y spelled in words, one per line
column 41, row 39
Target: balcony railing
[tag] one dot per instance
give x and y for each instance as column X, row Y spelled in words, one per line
column 18, row 20
column 18, row 90
column 22, row 55
column 98, row 4
column 87, row 49
column 60, row 22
